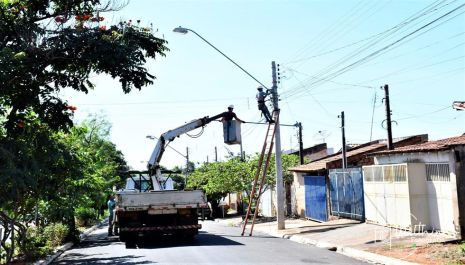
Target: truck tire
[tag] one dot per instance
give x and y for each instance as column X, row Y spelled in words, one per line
column 130, row 244
column 124, row 236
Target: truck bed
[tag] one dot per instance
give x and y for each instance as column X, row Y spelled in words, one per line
column 155, row 200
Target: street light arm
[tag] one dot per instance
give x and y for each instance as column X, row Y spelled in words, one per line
column 186, row 29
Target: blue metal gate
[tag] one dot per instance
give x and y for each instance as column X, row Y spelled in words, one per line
column 315, row 198
column 346, row 193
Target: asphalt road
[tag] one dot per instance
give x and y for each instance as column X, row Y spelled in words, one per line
column 215, row 244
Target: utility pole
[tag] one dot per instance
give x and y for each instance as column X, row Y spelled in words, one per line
column 242, row 154
column 390, row 145
column 344, row 155
column 301, row 144
column 279, row 165
column 216, row 154
column 187, row 164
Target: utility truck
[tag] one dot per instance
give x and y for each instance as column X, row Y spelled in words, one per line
column 150, row 207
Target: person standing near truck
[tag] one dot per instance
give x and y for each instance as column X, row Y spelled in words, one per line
column 111, row 209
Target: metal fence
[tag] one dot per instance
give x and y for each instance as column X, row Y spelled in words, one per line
column 346, row 193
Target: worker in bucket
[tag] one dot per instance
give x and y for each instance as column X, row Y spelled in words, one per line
column 229, row 115
column 261, row 104
column 227, row 118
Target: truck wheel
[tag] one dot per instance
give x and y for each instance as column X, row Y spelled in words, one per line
column 124, row 236
column 130, row 244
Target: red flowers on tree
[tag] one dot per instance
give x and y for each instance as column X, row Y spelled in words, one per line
column 60, row 19
column 71, row 108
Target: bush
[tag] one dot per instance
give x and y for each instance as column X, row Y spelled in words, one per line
column 42, row 241
column 84, row 216
column 55, row 234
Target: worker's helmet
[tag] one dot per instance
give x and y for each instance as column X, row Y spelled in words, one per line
column 231, row 107
column 260, row 88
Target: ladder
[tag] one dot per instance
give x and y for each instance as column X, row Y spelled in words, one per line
column 260, row 175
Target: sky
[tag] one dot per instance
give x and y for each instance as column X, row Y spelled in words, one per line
column 333, row 56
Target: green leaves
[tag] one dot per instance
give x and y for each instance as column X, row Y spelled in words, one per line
column 46, row 46
column 235, row 175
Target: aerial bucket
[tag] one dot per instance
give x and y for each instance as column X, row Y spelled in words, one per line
column 232, row 132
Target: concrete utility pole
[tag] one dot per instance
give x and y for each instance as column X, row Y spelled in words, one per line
column 390, row 145
column 344, row 151
column 301, row 144
column 279, row 164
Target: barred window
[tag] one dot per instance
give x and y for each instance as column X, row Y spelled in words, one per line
column 437, row 172
column 400, row 173
column 368, row 174
column 378, row 174
column 388, row 174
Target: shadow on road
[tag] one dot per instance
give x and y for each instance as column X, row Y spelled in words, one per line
column 100, row 239
column 81, row 259
column 202, row 239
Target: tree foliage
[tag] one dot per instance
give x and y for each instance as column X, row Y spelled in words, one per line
column 47, row 168
column 47, row 175
column 218, row 179
column 47, row 45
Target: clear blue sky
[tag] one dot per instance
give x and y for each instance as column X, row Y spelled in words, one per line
column 334, row 56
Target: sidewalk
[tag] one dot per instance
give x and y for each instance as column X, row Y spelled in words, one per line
column 348, row 237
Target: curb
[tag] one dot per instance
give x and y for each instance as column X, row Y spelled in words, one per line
column 346, row 251
column 67, row 246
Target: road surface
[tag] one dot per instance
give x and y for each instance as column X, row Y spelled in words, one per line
column 216, row 244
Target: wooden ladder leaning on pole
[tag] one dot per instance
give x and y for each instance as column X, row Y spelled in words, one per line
column 260, row 176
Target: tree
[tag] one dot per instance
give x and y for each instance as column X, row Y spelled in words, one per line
column 218, row 179
column 34, row 166
column 53, row 174
column 47, row 45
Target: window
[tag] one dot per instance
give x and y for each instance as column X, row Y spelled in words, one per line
column 378, row 174
column 400, row 173
column 368, row 174
column 437, row 172
column 388, row 174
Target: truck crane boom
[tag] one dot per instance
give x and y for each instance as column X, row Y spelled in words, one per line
column 165, row 138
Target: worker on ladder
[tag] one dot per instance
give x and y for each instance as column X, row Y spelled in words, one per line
column 261, row 104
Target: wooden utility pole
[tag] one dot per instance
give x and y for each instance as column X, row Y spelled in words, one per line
column 344, row 155
column 390, row 145
column 301, row 144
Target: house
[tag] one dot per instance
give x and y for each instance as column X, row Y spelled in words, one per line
column 314, row 152
column 316, row 192
column 420, row 186
column 268, row 198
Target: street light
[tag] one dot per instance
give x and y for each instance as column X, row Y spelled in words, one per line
column 183, row 30
column 279, row 177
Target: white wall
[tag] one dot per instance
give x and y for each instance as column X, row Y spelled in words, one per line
column 441, row 195
column 298, row 195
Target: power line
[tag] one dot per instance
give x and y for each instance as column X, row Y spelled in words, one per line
column 332, row 75
column 348, row 26
column 392, row 30
column 159, row 102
